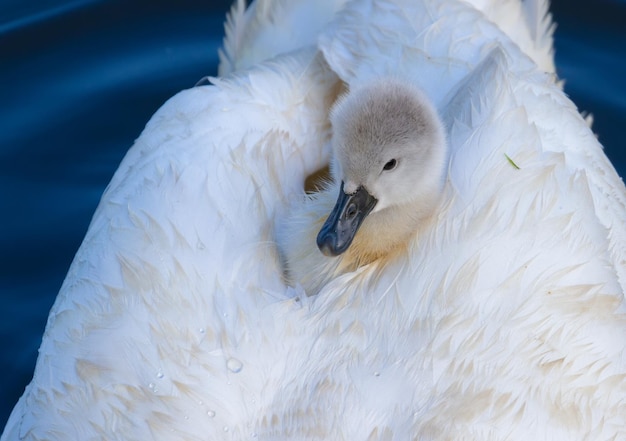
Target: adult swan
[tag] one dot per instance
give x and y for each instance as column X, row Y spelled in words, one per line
column 502, row 317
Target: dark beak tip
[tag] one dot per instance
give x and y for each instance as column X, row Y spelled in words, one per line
column 325, row 244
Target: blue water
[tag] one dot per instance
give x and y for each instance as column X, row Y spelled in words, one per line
column 79, row 80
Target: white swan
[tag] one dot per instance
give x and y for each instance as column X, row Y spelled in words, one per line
column 504, row 320
column 389, row 154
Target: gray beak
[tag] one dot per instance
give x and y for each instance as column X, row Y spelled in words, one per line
column 344, row 221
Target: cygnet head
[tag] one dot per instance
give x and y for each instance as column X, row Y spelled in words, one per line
column 389, row 151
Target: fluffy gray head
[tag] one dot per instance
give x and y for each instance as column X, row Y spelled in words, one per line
column 388, row 138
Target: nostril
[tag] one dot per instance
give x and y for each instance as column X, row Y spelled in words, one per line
column 351, row 211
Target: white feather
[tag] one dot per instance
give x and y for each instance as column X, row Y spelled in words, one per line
column 261, row 32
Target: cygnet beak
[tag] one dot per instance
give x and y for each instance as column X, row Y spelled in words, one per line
column 344, row 221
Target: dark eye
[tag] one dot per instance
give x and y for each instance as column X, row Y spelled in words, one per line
column 390, row 165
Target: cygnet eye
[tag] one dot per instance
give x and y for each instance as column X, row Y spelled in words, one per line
column 390, row 165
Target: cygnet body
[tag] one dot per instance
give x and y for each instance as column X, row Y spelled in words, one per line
column 388, row 165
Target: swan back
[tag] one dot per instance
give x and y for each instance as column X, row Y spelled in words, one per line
column 145, row 338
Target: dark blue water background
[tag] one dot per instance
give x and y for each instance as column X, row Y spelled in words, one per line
column 79, row 80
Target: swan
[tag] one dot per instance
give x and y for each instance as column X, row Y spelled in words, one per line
column 389, row 154
column 503, row 318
